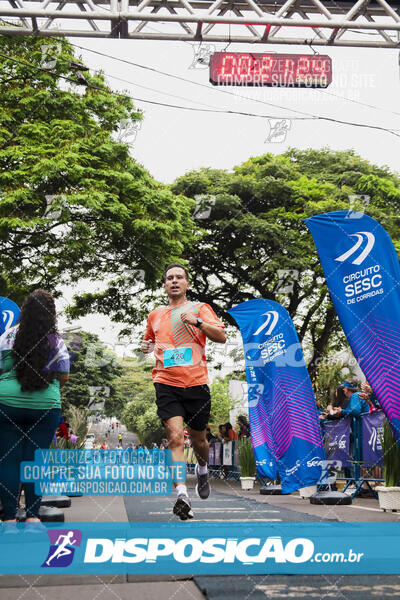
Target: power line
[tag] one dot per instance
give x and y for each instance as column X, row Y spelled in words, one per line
column 158, row 71
column 230, row 112
column 179, row 78
column 144, row 87
column 123, row 95
column 210, row 106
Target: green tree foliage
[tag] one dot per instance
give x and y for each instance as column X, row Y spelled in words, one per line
column 73, row 202
column 391, row 456
column 252, row 242
column 329, row 375
column 135, row 383
column 221, row 403
column 149, row 428
column 140, row 411
column 94, row 376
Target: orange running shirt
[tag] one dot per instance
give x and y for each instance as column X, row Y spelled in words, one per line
column 180, row 344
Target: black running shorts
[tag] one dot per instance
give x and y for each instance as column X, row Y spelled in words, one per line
column 192, row 403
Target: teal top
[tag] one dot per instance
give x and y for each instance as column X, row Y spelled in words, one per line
column 10, row 388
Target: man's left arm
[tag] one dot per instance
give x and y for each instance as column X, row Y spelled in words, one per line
column 210, row 325
column 213, row 332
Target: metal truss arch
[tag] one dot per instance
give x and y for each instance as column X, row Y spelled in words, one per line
column 365, row 23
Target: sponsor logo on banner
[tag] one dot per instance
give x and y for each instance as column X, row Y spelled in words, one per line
column 62, row 547
column 374, row 440
column 274, row 346
column 293, row 469
column 191, row 550
column 366, row 283
column 205, row 548
column 272, row 319
column 340, row 442
column 8, row 318
column 364, row 253
column 264, row 461
column 315, row 461
column 9, row 314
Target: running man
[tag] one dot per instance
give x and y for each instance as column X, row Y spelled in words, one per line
column 62, row 550
column 177, row 334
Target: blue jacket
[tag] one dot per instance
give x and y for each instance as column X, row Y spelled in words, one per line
column 356, row 406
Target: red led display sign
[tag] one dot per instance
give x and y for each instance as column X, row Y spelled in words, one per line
column 280, row 70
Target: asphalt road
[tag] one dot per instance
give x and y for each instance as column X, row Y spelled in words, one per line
column 100, row 430
column 220, row 506
column 227, row 503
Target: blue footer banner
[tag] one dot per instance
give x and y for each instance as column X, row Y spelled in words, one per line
column 284, row 422
column 211, row 548
column 362, row 272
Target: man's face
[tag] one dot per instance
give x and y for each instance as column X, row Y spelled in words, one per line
column 176, row 283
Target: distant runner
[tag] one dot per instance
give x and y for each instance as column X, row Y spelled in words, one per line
column 177, row 334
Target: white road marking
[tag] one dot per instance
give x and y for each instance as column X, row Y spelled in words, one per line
column 235, row 520
column 352, row 506
column 166, row 512
column 364, row 508
column 213, row 499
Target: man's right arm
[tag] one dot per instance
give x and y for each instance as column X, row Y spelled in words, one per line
column 148, row 340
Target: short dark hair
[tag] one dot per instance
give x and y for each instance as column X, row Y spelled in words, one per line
column 171, row 266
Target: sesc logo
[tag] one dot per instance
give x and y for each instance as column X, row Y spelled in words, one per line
column 270, row 323
column 8, row 319
column 191, row 550
column 361, row 237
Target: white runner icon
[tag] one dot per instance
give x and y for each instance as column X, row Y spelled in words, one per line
column 62, row 550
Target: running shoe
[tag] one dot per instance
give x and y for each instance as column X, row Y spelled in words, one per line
column 183, row 508
column 34, row 525
column 203, row 488
column 9, row 527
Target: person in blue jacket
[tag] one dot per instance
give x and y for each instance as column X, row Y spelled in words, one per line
column 354, row 404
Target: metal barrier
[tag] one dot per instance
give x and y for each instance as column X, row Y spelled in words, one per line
column 223, row 461
column 355, row 444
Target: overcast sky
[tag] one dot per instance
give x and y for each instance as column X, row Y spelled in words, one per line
column 171, row 142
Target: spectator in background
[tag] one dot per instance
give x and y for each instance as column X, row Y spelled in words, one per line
column 339, row 401
column 354, row 404
column 221, row 432
column 211, row 438
column 34, row 363
column 62, row 429
column 370, row 397
column 230, row 433
column 243, row 427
